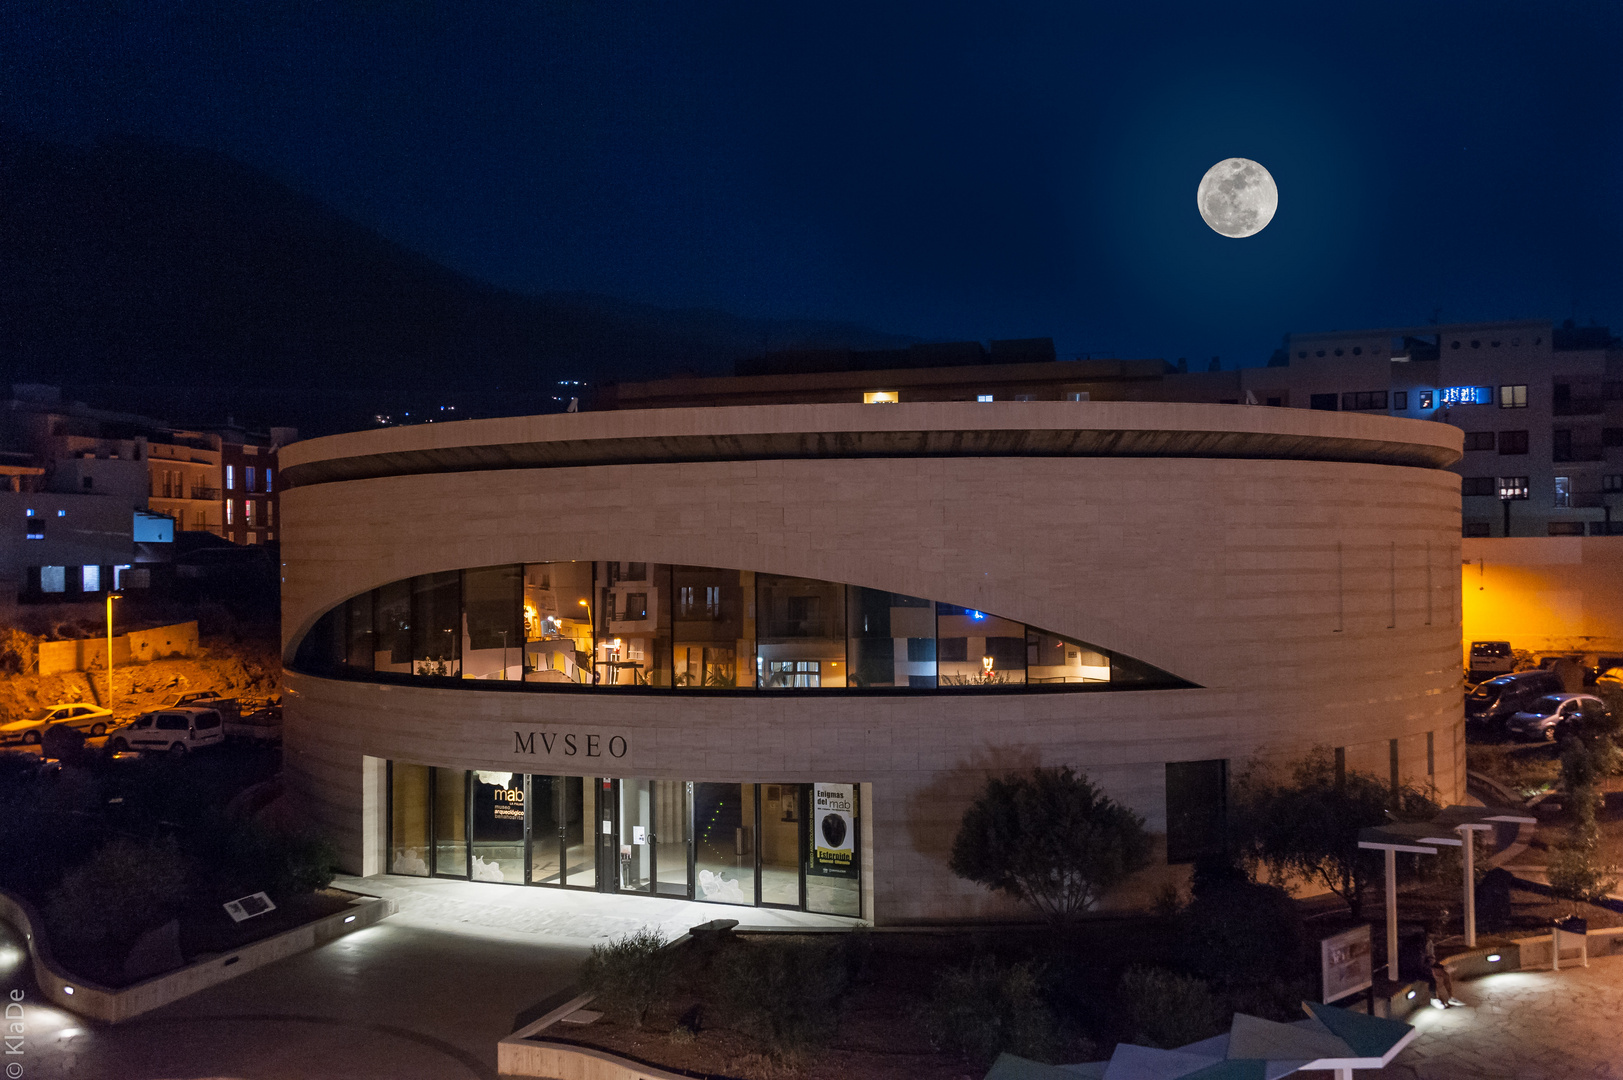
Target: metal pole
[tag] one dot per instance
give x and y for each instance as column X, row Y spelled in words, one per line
column 109, row 648
column 1468, row 839
column 1391, row 915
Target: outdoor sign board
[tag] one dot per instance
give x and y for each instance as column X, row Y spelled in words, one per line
column 249, row 906
column 1347, row 963
column 834, row 832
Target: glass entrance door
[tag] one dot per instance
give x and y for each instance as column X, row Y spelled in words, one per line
column 548, row 830
column 581, row 831
column 497, row 827
column 724, row 843
column 673, row 836
column 450, row 823
column 781, row 829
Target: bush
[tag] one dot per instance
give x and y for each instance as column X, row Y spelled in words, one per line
column 1168, row 1010
column 126, row 887
column 1241, row 930
column 1051, row 839
column 988, row 1008
column 629, row 976
column 784, row 993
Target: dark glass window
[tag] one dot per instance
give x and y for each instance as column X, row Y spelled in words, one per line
column 1477, row 485
column 1197, row 809
column 1363, row 401
column 1400, row 400
column 358, row 646
column 801, row 632
column 637, row 571
column 1612, row 436
column 1474, row 529
column 493, row 645
column 1479, row 440
column 1513, row 442
column 436, row 623
column 1322, row 402
column 392, row 624
column 1560, row 445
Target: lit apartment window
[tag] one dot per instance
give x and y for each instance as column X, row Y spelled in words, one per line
column 1563, row 491
column 36, row 526
column 1513, row 397
column 1512, row 487
column 61, row 513
column 228, row 519
column 881, row 397
column 248, row 512
column 1426, row 399
column 53, row 579
column 267, row 479
column 248, row 477
column 90, row 578
column 712, row 601
column 983, row 397
column 1078, row 395
column 230, row 478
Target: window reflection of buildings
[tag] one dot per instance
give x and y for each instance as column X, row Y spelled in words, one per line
column 649, row 625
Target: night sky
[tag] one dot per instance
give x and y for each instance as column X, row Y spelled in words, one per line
column 946, row 171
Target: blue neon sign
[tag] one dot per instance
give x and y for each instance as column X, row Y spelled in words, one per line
column 1467, row 395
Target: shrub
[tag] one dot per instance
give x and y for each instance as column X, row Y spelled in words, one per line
column 1239, row 930
column 282, row 863
column 1051, row 839
column 629, row 975
column 987, row 1008
column 1168, row 1010
column 126, row 887
column 784, row 993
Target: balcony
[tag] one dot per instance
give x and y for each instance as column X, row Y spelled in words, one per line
column 198, row 494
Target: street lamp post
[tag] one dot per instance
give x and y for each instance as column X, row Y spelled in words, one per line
column 111, row 596
column 591, row 625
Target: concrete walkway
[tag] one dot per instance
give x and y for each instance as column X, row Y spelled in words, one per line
column 565, row 916
column 424, row 995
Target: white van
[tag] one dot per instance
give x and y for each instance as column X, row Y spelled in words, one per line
column 175, row 731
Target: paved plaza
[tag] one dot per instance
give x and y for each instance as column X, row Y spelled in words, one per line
column 424, row 995
column 1522, row 1025
column 427, row 993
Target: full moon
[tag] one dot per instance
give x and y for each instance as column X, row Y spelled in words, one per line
column 1237, row 197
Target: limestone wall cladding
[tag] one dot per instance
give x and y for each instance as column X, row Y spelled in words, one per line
column 1317, row 604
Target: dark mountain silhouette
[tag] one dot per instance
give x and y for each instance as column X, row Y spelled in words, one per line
column 149, row 277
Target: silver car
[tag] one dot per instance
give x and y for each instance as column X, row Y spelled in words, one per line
column 1553, row 715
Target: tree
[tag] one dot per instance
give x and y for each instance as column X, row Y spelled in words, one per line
column 1051, row 839
column 1308, row 828
column 1588, row 756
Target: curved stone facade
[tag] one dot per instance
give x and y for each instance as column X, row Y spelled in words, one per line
column 1301, row 568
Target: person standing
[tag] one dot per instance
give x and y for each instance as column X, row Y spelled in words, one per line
column 1442, row 984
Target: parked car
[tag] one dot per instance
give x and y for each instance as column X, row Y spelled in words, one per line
column 90, row 719
column 174, row 731
column 1502, row 697
column 1610, row 679
column 1552, row 716
column 1490, row 658
column 228, row 708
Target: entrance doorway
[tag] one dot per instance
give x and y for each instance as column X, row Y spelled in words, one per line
column 774, row 845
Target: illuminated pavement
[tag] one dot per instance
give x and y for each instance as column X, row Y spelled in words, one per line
column 423, row 995
column 1525, row 1025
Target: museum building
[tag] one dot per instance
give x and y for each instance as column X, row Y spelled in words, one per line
column 767, row 655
